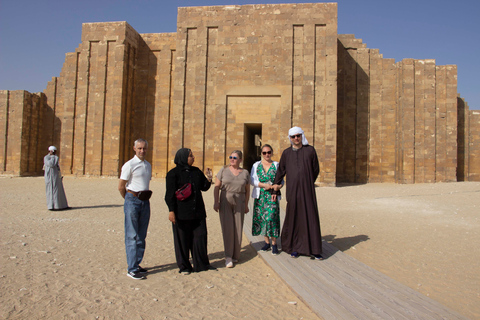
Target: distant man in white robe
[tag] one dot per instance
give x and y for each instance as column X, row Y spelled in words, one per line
column 56, row 199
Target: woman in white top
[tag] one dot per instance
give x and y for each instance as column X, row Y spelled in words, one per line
column 266, row 207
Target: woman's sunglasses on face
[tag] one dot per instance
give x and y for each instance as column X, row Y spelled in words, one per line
column 295, row 136
column 266, row 152
column 231, row 157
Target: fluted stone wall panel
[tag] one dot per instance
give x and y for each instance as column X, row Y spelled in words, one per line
column 4, row 122
column 473, row 146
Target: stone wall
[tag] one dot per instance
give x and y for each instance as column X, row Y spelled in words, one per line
column 152, row 106
column 255, row 67
column 91, row 97
column 397, row 122
column 474, row 146
column 21, row 127
column 235, row 77
column 468, row 168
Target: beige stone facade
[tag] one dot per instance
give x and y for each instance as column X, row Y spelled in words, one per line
column 233, row 77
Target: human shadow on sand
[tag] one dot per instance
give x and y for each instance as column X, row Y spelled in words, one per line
column 217, row 260
column 96, row 207
column 259, row 244
column 345, row 243
column 331, row 244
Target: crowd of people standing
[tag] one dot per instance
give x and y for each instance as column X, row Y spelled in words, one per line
column 184, row 186
column 300, row 235
column 301, row 230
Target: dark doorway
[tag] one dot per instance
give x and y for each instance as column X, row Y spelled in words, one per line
column 252, row 141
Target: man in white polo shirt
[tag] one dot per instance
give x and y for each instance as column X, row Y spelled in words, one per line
column 134, row 187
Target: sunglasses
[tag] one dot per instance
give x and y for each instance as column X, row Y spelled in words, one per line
column 266, row 152
column 296, row 136
column 234, row 158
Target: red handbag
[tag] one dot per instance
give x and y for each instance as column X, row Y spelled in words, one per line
column 184, row 192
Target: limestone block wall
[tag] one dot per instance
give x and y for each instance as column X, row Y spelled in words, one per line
column 152, row 105
column 427, row 122
column 116, row 87
column 21, row 126
column 52, row 125
column 241, row 67
column 231, row 75
column 90, row 98
column 468, row 142
column 474, row 146
column 382, row 116
column 352, row 110
column 463, row 139
column 397, row 122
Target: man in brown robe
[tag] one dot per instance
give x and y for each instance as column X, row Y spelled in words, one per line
column 301, row 229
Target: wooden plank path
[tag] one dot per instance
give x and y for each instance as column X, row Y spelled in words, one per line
column 340, row 287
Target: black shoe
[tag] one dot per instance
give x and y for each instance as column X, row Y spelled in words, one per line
column 142, row 270
column 274, row 249
column 210, row 267
column 294, row 255
column 265, row 247
column 185, row 272
column 135, row 275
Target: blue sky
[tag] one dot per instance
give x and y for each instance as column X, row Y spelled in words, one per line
column 36, row 35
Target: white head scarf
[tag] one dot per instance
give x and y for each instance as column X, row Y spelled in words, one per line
column 297, row 130
column 52, row 148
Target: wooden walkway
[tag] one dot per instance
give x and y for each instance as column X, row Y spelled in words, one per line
column 340, row 287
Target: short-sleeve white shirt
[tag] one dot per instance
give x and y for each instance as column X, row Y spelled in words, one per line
column 137, row 173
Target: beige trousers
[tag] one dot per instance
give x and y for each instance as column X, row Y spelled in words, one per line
column 232, row 214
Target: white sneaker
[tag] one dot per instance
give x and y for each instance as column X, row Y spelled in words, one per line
column 228, row 263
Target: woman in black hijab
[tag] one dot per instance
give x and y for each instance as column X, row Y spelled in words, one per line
column 188, row 216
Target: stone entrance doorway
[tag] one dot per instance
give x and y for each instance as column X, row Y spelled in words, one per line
column 252, row 141
column 251, row 120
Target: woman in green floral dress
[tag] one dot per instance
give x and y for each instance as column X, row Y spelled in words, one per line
column 266, row 208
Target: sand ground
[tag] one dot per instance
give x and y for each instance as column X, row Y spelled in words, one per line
column 426, row 236
column 71, row 264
